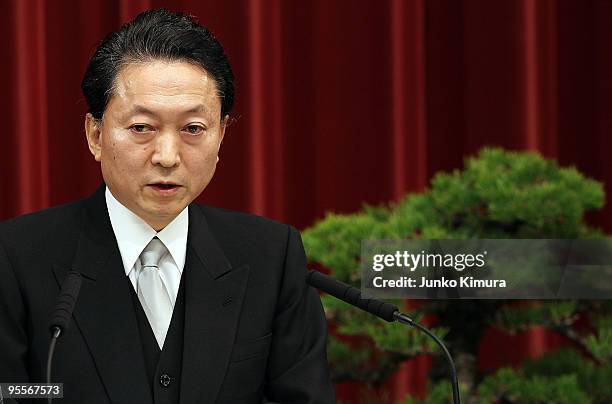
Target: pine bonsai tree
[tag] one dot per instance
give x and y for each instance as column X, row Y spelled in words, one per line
column 499, row 194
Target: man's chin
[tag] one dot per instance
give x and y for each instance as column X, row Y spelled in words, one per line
column 166, row 212
column 160, row 218
column 161, row 210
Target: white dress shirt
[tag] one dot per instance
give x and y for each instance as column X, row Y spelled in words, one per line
column 133, row 234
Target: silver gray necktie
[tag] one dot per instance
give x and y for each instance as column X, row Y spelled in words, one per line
column 152, row 292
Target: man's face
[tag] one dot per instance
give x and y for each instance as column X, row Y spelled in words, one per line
column 159, row 139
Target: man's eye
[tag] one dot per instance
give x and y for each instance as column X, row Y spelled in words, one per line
column 140, row 128
column 194, row 129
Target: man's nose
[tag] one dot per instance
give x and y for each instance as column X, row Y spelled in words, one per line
column 167, row 148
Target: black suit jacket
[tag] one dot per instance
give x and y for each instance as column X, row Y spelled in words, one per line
column 253, row 328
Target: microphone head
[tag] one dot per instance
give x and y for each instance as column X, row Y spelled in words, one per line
column 65, row 302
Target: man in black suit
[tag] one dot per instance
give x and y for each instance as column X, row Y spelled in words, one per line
column 179, row 302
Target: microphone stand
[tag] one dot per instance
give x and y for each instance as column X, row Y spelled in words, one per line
column 56, row 333
column 404, row 319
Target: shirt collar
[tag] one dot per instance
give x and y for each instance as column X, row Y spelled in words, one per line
column 133, row 234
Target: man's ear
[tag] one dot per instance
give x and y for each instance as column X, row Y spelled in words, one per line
column 93, row 133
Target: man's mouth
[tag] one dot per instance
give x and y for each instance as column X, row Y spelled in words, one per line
column 164, row 187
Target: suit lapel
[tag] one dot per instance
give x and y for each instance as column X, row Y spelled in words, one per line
column 104, row 312
column 213, row 299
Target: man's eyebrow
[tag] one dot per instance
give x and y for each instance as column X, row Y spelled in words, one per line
column 140, row 109
column 196, row 108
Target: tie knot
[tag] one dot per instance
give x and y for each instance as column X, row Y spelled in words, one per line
column 152, row 253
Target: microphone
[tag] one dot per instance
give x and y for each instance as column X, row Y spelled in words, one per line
column 384, row 310
column 351, row 295
column 65, row 304
column 61, row 315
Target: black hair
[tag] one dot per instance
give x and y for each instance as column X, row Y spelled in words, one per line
column 156, row 35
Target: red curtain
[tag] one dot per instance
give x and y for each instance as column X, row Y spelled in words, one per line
column 338, row 102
